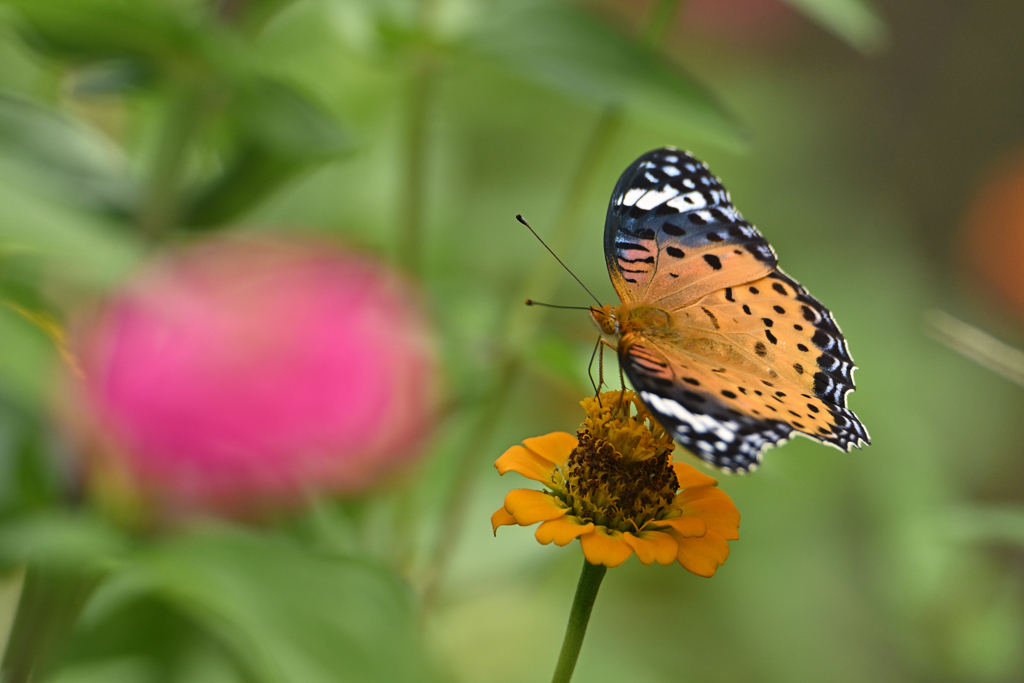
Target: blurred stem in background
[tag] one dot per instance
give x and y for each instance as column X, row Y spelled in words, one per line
column 421, row 88
column 522, row 323
column 409, row 230
column 521, row 326
column 183, row 116
column 51, row 600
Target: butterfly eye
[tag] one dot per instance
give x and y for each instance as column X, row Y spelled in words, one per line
column 605, row 320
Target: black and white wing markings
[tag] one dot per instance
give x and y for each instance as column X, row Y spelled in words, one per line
column 673, row 235
column 833, row 379
column 699, row 421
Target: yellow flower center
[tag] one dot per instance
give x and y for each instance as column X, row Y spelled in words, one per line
column 620, row 475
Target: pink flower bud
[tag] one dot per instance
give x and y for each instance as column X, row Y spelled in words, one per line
column 237, row 376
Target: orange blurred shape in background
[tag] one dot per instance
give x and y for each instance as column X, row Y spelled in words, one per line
column 992, row 240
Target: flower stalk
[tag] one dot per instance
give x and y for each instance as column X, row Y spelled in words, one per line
column 579, row 617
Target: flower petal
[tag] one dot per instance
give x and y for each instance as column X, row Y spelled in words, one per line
column 526, row 463
column 501, row 518
column 714, row 506
column 685, row 527
column 703, row 556
column 653, row 546
column 605, row 546
column 689, row 476
column 529, row 507
column 563, row 530
column 554, row 447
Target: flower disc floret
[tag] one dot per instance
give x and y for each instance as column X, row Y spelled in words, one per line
column 614, row 486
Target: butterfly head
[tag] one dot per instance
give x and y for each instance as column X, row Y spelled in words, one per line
column 606, row 319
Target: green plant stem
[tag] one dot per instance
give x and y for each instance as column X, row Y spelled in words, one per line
column 160, row 211
column 410, row 232
column 524, row 321
column 50, row 603
column 421, row 89
column 579, row 617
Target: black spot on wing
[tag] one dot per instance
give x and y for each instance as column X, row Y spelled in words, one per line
column 833, row 379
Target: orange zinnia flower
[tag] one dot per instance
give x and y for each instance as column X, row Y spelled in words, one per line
column 614, row 486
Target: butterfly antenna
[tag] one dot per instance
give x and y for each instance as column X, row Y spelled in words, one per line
column 519, row 217
column 531, row 302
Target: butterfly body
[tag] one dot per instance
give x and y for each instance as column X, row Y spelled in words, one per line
column 731, row 354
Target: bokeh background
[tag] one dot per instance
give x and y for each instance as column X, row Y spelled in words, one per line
column 878, row 146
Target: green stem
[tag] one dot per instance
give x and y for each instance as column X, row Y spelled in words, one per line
column 410, row 241
column 421, row 88
column 579, row 617
column 524, row 322
column 50, row 603
column 161, row 209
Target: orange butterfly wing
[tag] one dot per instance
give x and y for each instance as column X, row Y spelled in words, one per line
column 755, row 358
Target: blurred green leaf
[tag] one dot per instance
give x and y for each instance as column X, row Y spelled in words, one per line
column 27, row 360
column 280, row 132
column 145, row 639
column 288, row 614
column 83, row 163
column 62, row 541
column 564, row 48
column 110, row 76
column 855, row 21
column 290, row 124
column 91, row 29
column 122, row 670
column 250, row 177
column 31, row 478
column 253, row 15
column 71, row 246
column 34, row 484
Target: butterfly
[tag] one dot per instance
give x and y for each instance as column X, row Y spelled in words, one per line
column 730, row 354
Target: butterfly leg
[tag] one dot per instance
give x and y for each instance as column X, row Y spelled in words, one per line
column 590, row 371
column 602, row 342
column 622, row 384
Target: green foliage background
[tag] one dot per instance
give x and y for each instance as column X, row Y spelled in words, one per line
column 853, row 138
